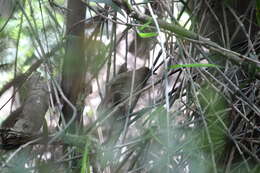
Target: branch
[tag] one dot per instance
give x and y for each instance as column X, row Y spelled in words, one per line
column 21, row 78
column 235, row 57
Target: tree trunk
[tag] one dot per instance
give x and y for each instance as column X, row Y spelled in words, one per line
column 74, row 61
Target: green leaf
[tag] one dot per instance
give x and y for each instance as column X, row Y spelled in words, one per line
column 147, row 34
column 193, row 65
column 146, row 25
column 258, row 12
column 85, row 160
column 215, row 111
column 109, row 3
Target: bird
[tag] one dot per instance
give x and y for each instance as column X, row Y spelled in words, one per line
column 25, row 123
column 114, row 102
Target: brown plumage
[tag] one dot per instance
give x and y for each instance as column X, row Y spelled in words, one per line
column 119, row 89
column 24, row 124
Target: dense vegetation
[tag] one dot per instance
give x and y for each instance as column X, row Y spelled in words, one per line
column 129, row 86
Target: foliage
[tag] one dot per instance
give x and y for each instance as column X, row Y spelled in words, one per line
column 198, row 112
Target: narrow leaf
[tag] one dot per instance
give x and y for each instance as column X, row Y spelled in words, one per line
column 147, row 34
column 258, row 12
column 193, row 65
column 146, row 25
column 109, row 3
column 85, row 167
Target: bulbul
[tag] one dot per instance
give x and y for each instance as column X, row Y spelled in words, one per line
column 119, row 89
column 25, row 123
